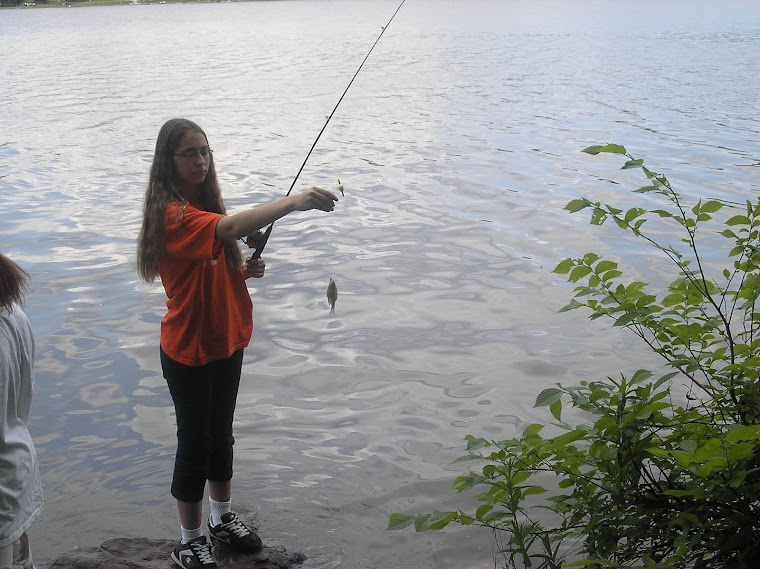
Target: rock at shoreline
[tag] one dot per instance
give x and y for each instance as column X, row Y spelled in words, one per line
column 143, row 553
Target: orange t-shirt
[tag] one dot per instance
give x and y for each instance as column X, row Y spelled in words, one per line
column 210, row 313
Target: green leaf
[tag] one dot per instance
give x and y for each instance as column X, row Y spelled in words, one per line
column 711, row 206
column 738, row 220
column 475, row 443
column 482, row 511
column 738, row 250
column 463, row 483
column 556, row 409
column 533, row 429
column 633, row 213
column 605, row 423
column 647, row 411
column 468, row 458
column 548, row 396
column 690, row 517
column 571, row 306
column 665, row 378
column 626, row 319
column 439, row 520
column 604, row 266
column 533, row 490
column 744, row 433
column 519, row 477
column 597, row 149
column 578, row 273
column 633, row 164
column 640, row 376
column 590, row 258
column 598, row 217
column 673, row 299
column 683, row 458
column 739, row 452
column 613, row 148
column 659, row 452
column 577, row 205
column 399, row 521
column 420, row 522
column 568, row 437
column 613, row 274
column 706, row 470
column 564, row 266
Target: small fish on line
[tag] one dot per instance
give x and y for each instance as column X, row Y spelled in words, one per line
column 332, row 295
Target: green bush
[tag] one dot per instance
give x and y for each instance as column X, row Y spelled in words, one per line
column 650, row 479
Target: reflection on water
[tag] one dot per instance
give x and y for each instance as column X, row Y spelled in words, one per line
column 458, row 146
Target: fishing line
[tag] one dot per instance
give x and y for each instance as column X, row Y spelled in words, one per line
column 258, row 240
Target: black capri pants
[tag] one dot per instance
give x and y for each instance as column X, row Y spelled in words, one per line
column 204, row 402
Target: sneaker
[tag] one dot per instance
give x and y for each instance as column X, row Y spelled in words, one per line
column 195, row 554
column 235, row 533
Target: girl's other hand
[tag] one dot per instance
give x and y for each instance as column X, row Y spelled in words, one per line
column 255, row 267
column 315, row 198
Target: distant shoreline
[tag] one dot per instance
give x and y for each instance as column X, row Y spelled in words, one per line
column 84, row 3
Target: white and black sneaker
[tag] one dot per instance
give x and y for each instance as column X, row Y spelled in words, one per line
column 235, row 533
column 195, row 554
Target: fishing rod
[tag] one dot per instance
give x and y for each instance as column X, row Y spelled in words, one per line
column 258, row 239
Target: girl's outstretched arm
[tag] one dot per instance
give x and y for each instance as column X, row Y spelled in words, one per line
column 246, row 222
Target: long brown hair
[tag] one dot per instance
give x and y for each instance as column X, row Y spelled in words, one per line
column 163, row 188
column 13, row 282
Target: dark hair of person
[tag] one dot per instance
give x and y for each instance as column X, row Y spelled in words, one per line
column 163, row 188
column 13, row 282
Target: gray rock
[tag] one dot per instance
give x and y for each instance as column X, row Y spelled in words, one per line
column 143, row 553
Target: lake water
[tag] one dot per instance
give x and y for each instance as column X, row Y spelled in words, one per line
column 458, row 145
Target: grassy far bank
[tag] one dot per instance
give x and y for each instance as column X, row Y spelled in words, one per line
column 26, row 5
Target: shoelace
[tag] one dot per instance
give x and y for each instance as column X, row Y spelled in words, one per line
column 203, row 553
column 237, row 527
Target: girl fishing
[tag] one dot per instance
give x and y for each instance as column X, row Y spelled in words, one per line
column 189, row 242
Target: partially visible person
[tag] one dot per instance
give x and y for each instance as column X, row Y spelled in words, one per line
column 20, row 485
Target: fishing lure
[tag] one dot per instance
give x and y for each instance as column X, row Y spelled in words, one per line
column 258, row 240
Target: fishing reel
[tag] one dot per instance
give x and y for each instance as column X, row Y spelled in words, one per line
column 254, row 240
column 257, row 241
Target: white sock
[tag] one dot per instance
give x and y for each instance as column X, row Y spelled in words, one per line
column 188, row 534
column 217, row 509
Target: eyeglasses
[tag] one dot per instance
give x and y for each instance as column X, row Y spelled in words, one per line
column 191, row 153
